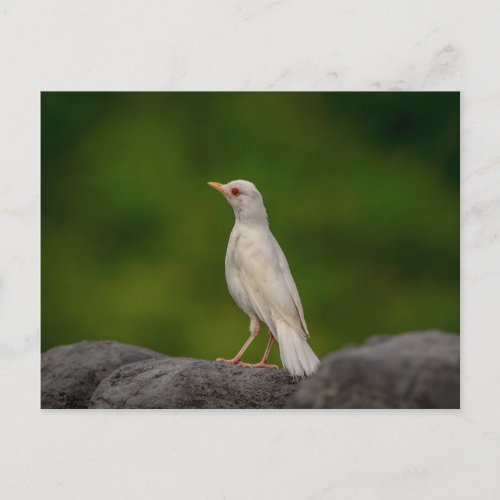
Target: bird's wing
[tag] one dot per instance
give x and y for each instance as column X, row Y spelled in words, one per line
column 270, row 285
column 292, row 287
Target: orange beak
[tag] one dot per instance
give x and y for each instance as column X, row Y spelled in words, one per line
column 218, row 186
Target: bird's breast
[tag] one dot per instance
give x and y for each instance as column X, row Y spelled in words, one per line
column 246, row 265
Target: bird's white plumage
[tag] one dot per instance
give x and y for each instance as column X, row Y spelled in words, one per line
column 259, row 278
column 260, row 281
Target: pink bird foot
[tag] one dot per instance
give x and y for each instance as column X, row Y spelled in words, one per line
column 230, row 361
column 248, row 365
column 234, row 361
column 263, row 365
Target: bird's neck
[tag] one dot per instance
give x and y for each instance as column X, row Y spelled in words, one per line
column 252, row 216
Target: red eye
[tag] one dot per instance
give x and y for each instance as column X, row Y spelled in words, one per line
column 235, row 192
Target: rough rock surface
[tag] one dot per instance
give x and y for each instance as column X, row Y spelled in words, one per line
column 413, row 370
column 70, row 373
column 192, row 383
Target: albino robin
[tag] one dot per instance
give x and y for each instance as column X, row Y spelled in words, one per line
column 259, row 280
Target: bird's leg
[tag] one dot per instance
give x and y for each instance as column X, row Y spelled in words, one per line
column 254, row 331
column 263, row 361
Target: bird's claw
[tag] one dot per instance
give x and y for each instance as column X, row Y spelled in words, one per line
column 265, row 365
column 228, row 361
column 246, row 365
column 234, row 362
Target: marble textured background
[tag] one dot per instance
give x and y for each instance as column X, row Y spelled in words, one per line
column 254, row 45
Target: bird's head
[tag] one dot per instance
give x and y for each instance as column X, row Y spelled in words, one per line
column 245, row 199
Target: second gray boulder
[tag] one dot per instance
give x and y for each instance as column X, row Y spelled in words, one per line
column 412, row 370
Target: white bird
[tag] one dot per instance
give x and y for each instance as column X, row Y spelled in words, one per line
column 260, row 282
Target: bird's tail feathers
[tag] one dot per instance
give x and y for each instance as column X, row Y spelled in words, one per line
column 296, row 354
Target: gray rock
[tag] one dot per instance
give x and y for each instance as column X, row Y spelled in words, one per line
column 70, row 373
column 412, row 370
column 192, row 383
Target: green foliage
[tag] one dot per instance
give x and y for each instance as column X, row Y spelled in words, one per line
column 362, row 191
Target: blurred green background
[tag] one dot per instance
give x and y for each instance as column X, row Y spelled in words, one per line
column 362, row 192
